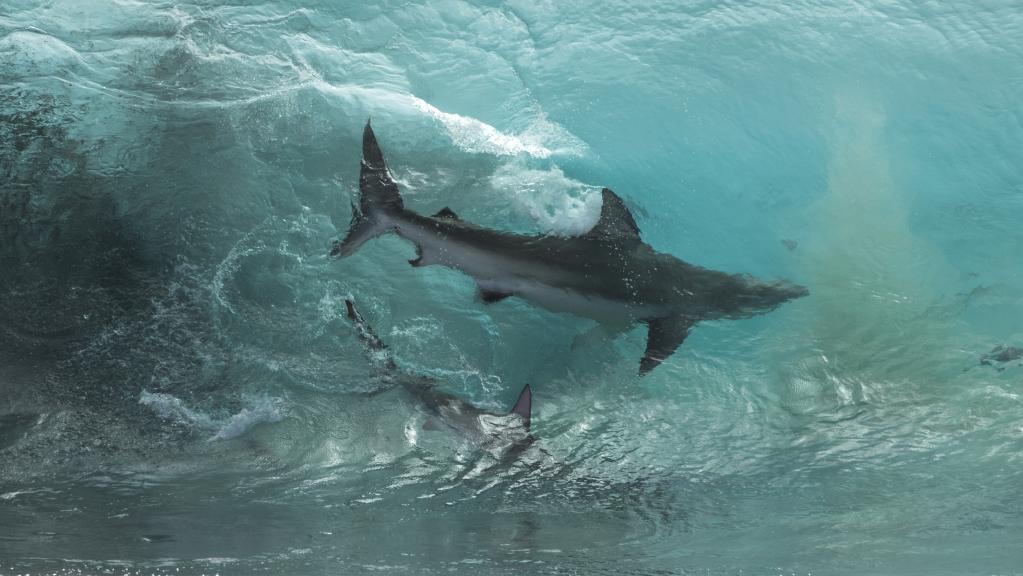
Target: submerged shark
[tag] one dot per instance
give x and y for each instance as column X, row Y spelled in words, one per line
column 608, row 274
column 484, row 428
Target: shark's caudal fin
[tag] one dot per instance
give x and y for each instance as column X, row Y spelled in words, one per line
column 378, row 197
column 369, row 337
column 524, row 406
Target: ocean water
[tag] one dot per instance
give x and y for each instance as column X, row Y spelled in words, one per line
column 181, row 392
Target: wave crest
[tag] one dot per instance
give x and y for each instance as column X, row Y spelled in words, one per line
column 259, row 410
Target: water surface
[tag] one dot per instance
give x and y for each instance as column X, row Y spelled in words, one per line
column 180, row 391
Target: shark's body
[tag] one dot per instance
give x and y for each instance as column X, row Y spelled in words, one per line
column 484, row 428
column 608, row 274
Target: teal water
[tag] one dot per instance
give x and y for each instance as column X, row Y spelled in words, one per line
column 181, row 393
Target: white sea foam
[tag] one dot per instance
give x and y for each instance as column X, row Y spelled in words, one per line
column 540, row 139
column 264, row 409
column 558, row 204
column 172, row 408
column 472, row 135
column 16, row 493
column 259, row 409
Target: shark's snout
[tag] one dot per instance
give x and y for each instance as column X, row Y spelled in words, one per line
column 782, row 291
column 793, row 291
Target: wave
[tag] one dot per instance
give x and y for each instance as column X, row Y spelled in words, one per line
column 540, row 139
column 557, row 203
column 474, row 136
column 260, row 410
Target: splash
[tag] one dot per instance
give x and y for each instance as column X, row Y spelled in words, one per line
column 557, row 203
column 474, row 136
column 542, row 139
column 873, row 277
column 259, row 410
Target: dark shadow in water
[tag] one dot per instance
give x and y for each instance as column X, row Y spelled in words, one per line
column 14, row 426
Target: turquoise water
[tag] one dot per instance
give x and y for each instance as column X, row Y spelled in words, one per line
column 181, row 393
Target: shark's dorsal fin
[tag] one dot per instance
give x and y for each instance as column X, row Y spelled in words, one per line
column 616, row 222
column 524, row 405
column 446, row 212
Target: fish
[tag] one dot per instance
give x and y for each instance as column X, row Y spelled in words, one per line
column 1001, row 354
column 447, row 411
column 608, row 274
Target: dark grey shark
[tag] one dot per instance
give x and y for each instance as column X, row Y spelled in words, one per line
column 608, row 274
column 510, row 430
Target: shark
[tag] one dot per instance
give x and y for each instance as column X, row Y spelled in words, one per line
column 493, row 430
column 608, row 274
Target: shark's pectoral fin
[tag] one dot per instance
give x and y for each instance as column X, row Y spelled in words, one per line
column 418, row 260
column 491, row 296
column 446, row 212
column 616, row 221
column 423, row 257
column 524, row 405
column 665, row 335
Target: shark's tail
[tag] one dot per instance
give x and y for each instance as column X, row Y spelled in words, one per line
column 378, row 199
column 370, row 338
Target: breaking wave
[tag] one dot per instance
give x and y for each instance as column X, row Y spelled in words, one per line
column 258, row 411
column 182, row 392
